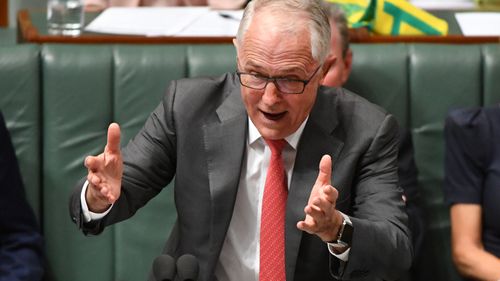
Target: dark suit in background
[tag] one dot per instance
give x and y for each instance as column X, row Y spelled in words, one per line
column 408, row 180
column 198, row 134
column 21, row 245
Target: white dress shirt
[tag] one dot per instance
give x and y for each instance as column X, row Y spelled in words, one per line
column 239, row 259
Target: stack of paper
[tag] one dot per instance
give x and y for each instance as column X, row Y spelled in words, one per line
column 444, row 4
column 167, row 21
column 479, row 23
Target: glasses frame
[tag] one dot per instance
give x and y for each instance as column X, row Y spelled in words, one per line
column 274, row 80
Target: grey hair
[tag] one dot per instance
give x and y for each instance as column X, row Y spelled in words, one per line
column 317, row 13
column 337, row 16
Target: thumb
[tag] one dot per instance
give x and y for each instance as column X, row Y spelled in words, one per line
column 325, row 171
column 113, row 144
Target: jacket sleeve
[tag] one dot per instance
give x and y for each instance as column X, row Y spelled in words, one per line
column 380, row 246
column 149, row 162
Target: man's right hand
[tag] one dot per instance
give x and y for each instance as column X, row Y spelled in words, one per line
column 105, row 173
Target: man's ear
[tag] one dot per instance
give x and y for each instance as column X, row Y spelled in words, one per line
column 347, row 65
column 329, row 62
column 235, row 43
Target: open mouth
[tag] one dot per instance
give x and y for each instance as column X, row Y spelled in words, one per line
column 274, row 116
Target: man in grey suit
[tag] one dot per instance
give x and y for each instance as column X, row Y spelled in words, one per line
column 345, row 221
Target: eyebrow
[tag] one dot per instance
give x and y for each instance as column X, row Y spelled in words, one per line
column 286, row 72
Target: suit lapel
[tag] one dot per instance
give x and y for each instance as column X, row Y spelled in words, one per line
column 225, row 146
column 319, row 138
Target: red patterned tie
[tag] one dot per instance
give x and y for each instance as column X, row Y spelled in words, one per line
column 272, row 224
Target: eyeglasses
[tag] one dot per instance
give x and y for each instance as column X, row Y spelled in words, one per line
column 284, row 85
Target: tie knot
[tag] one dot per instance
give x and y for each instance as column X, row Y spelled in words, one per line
column 276, row 146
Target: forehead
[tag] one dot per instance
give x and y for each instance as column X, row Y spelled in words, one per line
column 279, row 39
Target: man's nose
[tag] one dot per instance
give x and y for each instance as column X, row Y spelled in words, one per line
column 271, row 94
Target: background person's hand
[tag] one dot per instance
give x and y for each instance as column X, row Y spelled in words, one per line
column 94, row 8
column 105, row 173
column 322, row 217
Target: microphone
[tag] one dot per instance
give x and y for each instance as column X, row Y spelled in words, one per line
column 187, row 268
column 164, row 268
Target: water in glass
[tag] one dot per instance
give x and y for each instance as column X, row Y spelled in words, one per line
column 65, row 16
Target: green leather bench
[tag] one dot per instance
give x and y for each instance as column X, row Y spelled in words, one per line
column 8, row 36
column 20, row 100
column 59, row 99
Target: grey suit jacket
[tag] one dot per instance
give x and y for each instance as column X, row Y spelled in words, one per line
column 198, row 133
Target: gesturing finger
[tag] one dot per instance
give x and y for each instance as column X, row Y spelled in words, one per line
column 113, row 144
column 325, row 171
column 94, row 179
column 308, row 225
column 330, row 194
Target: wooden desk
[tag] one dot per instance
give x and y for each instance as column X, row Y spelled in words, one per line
column 4, row 13
column 32, row 28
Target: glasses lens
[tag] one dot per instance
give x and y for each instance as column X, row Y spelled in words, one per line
column 252, row 81
column 287, row 86
column 290, row 86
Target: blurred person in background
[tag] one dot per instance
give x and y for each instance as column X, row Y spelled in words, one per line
column 472, row 189
column 340, row 51
column 21, row 245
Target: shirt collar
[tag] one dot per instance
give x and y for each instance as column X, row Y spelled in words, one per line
column 292, row 140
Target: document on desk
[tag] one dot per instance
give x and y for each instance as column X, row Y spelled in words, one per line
column 479, row 23
column 166, row 21
column 430, row 5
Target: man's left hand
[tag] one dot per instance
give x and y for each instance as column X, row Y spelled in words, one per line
column 322, row 217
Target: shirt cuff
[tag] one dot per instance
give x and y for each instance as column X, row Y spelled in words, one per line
column 89, row 216
column 345, row 255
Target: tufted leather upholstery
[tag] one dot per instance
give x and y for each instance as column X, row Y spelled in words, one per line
column 59, row 99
